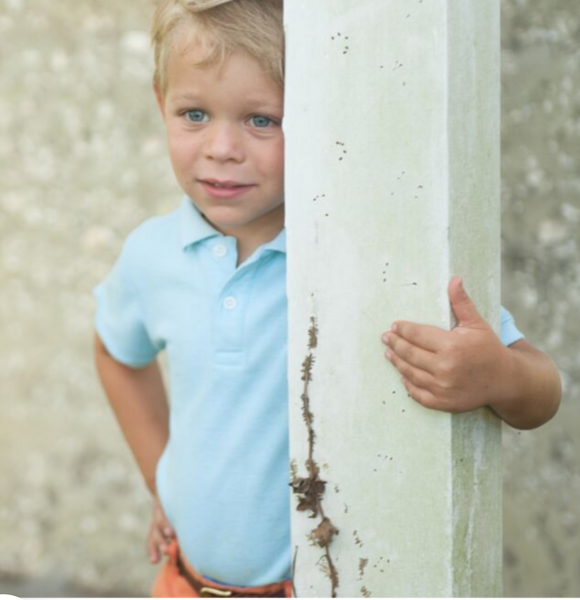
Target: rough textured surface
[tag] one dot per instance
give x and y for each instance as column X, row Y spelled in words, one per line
column 83, row 161
column 541, row 285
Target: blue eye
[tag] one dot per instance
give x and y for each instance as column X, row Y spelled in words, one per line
column 195, row 116
column 261, row 122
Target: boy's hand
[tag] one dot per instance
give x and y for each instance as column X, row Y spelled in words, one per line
column 454, row 371
column 160, row 533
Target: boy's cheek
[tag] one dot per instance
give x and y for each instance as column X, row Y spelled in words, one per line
column 182, row 155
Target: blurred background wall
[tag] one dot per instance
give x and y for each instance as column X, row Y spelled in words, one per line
column 83, row 161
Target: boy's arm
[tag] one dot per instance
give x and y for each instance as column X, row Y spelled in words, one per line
column 469, row 367
column 139, row 401
column 535, row 388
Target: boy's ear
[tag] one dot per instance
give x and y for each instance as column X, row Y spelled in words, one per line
column 159, row 97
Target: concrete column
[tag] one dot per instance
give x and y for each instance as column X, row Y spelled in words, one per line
column 392, row 142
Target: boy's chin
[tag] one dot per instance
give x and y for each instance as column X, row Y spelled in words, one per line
column 223, row 223
column 234, row 220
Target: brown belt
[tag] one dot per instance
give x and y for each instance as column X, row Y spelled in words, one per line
column 223, row 591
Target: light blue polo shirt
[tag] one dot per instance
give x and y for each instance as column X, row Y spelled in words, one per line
column 224, row 477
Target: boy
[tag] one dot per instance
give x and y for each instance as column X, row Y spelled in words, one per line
column 207, row 283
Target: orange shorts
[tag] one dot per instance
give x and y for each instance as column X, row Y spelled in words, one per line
column 178, row 579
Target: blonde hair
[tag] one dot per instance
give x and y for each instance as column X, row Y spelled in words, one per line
column 220, row 27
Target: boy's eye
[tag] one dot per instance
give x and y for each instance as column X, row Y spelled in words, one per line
column 261, row 122
column 195, row 116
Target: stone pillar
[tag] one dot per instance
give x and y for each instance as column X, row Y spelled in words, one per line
column 392, row 187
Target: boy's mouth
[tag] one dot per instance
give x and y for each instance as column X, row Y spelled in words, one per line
column 224, row 184
column 225, row 189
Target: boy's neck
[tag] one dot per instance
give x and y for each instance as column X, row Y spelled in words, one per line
column 254, row 235
column 247, row 245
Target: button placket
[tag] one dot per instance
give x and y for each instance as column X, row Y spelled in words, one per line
column 230, row 314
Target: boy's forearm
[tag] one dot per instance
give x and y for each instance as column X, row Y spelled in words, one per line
column 139, row 401
column 534, row 388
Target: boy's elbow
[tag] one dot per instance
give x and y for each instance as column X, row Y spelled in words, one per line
column 556, row 396
column 553, row 392
column 547, row 383
column 553, row 386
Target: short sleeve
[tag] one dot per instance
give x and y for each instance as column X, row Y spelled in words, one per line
column 509, row 332
column 119, row 320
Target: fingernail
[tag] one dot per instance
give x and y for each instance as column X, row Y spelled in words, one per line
column 385, row 337
column 394, row 327
column 389, row 355
column 167, row 531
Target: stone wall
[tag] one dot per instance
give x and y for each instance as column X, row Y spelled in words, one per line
column 83, row 161
column 541, row 285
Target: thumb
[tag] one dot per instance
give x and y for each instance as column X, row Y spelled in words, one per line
column 464, row 309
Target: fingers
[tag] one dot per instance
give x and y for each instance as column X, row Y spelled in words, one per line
column 412, row 355
column 415, row 375
column 161, row 534
column 422, row 396
column 433, row 338
column 464, row 309
column 427, row 337
column 163, row 523
column 156, row 544
column 161, row 520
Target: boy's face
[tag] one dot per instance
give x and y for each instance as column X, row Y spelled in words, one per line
column 226, row 126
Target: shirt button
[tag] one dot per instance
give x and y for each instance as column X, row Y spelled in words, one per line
column 230, row 303
column 220, row 250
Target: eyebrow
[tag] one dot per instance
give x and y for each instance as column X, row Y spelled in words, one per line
column 251, row 103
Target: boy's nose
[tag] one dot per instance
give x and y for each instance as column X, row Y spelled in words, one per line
column 224, row 143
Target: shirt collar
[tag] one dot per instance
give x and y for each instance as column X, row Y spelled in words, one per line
column 194, row 228
column 278, row 244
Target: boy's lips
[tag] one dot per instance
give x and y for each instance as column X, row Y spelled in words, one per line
column 224, row 183
column 224, row 189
